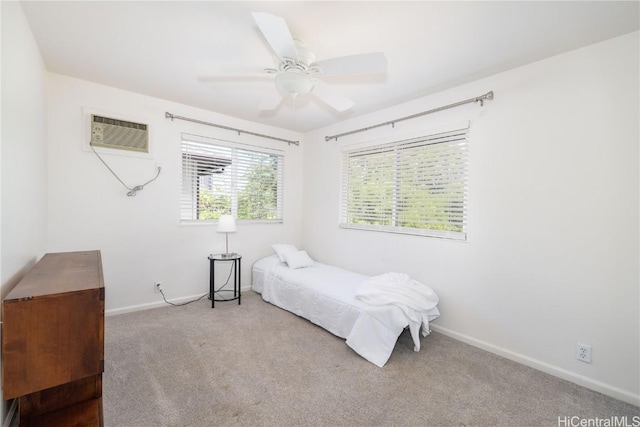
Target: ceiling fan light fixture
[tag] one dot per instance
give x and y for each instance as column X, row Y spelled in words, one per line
column 294, row 83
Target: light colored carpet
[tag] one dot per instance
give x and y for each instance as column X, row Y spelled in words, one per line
column 257, row 365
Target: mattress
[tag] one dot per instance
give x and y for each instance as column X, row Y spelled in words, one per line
column 326, row 296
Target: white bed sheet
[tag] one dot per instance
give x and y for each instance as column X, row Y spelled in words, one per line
column 326, row 296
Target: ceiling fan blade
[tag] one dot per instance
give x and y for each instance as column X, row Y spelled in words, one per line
column 270, row 101
column 222, row 78
column 331, row 97
column 277, row 33
column 216, row 72
column 364, row 63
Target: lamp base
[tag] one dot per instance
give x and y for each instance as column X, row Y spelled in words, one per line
column 228, row 255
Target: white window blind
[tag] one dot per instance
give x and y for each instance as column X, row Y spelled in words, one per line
column 415, row 186
column 222, row 179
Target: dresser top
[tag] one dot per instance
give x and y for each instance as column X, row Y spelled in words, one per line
column 59, row 273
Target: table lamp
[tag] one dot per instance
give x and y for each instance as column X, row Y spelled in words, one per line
column 226, row 224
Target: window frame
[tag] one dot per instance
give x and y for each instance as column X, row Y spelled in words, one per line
column 190, row 192
column 395, row 144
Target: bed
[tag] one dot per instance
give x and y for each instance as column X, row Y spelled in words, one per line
column 369, row 312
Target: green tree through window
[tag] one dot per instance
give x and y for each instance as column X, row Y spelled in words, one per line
column 259, row 198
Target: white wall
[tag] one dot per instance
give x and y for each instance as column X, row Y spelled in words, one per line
column 23, row 151
column 552, row 257
column 140, row 237
column 23, row 146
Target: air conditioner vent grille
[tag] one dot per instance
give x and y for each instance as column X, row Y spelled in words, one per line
column 119, row 134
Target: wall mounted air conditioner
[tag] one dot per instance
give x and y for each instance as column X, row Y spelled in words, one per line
column 119, row 134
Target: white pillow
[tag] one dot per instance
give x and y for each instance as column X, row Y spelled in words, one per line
column 298, row 259
column 283, row 249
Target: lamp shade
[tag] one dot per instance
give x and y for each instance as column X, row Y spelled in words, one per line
column 226, row 224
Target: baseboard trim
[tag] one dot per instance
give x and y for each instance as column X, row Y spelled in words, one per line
column 156, row 304
column 564, row 374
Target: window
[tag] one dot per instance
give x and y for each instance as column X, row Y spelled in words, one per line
column 415, row 186
column 219, row 178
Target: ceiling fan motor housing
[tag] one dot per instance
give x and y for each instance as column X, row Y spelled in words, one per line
column 305, row 56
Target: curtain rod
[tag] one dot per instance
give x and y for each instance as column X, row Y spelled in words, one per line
column 480, row 99
column 172, row 117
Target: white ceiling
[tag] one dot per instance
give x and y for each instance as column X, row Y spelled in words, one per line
column 158, row 48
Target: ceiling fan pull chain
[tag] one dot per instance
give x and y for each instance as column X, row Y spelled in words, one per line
column 294, row 95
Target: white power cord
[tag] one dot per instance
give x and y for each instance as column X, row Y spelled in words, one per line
column 132, row 191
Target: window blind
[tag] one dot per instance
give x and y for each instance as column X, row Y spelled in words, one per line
column 414, row 186
column 222, row 179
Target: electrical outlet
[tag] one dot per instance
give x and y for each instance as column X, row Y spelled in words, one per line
column 157, row 287
column 583, row 353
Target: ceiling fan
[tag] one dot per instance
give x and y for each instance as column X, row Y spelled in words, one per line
column 298, row 73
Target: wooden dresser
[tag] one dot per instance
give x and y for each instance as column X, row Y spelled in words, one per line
column 53, row 341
